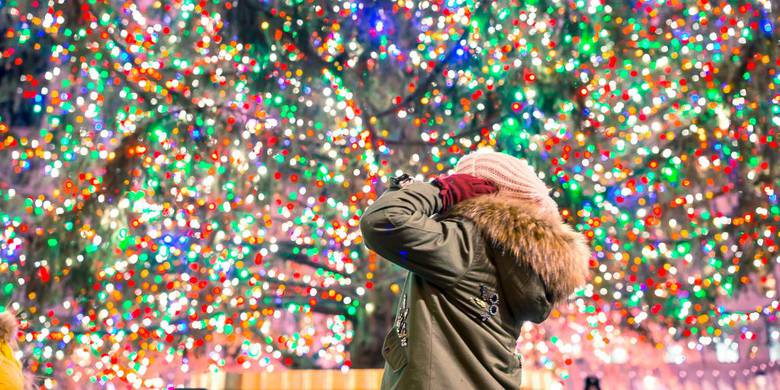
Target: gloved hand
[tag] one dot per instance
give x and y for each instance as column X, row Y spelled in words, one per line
column 460, row 186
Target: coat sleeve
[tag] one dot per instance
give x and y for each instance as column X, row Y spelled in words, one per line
column 398, row 226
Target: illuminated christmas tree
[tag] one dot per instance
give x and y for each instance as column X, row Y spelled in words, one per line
column 183, row 180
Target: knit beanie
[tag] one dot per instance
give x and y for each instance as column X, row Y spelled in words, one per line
column 513, row 176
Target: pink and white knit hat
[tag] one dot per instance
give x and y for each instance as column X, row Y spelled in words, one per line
column 513, row 176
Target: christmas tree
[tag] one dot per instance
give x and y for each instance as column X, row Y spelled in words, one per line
column 182, row 180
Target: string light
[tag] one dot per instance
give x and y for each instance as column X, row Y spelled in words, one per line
column 178, row 185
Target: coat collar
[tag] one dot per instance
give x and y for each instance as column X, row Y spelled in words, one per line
column 558, row 253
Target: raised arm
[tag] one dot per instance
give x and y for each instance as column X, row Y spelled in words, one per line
column 398, row 226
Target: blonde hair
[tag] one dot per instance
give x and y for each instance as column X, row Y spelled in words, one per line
column 8, row 327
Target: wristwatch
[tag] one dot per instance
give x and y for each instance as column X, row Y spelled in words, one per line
column 401, row 181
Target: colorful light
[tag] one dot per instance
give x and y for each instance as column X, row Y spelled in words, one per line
column 183, row 180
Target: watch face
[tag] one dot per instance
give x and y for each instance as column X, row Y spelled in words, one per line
column 401, row 180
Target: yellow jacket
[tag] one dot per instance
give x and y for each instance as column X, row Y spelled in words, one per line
column 11, row 376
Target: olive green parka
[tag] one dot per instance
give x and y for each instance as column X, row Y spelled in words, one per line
column 477, row 272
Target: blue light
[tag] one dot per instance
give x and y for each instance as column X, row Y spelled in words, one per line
column 766, row 25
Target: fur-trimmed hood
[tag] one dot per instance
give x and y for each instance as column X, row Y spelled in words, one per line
column 554, row 250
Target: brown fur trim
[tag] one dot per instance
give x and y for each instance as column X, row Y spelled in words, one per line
column 558, row 253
